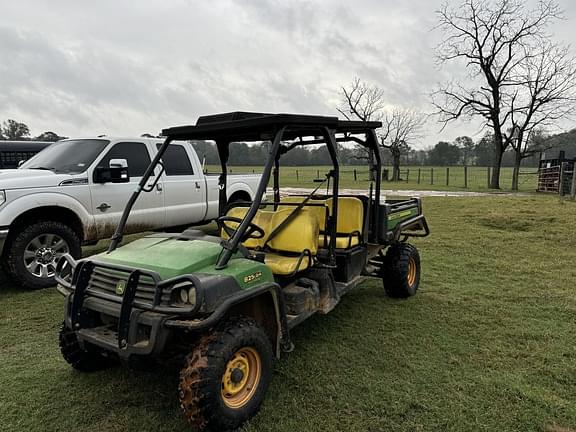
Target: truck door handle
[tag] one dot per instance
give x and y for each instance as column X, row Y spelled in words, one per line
column 103, row 207
column 150, row 187
column 197, row 185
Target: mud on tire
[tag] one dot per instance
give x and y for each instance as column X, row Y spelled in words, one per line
column 401, row 270
column 201, row 391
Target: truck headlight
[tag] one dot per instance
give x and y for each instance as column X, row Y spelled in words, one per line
column 2, row 197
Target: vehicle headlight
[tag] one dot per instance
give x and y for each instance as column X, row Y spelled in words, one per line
column 184, row 293
column 2, row 197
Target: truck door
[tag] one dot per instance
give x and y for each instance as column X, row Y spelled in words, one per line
column 109, row 199
column 184, row 185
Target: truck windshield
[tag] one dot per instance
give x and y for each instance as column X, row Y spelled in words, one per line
column 67, row 157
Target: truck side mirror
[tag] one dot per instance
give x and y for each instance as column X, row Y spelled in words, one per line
column 117, row 172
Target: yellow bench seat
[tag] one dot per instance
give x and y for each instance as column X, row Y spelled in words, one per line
column 293, row 248
column 286, row 265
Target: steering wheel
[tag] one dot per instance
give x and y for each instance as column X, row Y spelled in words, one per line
column 252, row 232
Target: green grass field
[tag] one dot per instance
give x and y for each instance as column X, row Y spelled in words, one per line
column 486, row 345
column 431, row 178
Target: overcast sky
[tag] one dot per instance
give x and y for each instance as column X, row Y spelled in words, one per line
column 115, row 67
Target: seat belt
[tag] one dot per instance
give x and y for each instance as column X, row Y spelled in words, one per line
column 294, row 213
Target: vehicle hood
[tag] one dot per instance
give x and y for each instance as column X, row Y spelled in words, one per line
column 31, row 178
column 171, row 257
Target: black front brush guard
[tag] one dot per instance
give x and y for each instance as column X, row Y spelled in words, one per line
column 79, row 285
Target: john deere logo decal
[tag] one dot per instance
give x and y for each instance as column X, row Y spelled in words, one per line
column 120, row 287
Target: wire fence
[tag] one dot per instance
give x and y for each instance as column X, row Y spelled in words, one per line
column 453, row 177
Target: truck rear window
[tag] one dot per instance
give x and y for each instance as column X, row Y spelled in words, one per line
column 176, row 161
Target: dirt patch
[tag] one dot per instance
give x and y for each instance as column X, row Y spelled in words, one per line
column 504, row 223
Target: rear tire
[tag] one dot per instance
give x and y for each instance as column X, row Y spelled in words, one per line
column 77, row 357
column 31, row 256
column 224, row 380
column 401, row 270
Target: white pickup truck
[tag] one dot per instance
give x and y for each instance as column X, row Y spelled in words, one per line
column 57, row 201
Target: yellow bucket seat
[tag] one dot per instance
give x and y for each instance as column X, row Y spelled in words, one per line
column 295, row 245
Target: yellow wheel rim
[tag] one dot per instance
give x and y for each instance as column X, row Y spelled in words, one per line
column 411, row 271
column 241, row 377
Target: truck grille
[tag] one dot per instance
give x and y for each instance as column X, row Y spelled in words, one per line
column 105, row 280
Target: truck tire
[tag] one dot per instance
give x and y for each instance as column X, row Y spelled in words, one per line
column 32, row 254
column 224, row 380
column 77, row 357
column 401, row 270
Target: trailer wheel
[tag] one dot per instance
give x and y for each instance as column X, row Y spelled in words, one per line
column 77, row 357
column 401, row 270
column 224, row 380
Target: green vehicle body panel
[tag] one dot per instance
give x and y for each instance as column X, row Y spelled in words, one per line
column 172, row 257
column 397, row 217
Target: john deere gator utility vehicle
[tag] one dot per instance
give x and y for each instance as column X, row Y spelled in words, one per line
column 224, row 305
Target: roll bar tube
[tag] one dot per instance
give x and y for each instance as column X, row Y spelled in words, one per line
column 119, row 233
column 231, row 245
column 378, row 168
column 331, row 145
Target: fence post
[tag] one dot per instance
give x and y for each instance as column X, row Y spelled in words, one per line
column 296, row 175
column 561, row 182
column 573, row 188
column 419, row 172
column 355, row 175
column 488, row 177
column 447, row 176
column 431, row 176
column 465, row 177
column 407, row 175
column 317, row 173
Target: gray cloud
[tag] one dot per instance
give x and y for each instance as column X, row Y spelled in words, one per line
column 83, row 68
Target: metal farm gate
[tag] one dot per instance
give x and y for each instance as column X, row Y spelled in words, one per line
column 557, row 175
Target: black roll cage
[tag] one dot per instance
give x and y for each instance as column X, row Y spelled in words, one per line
column 227, row 128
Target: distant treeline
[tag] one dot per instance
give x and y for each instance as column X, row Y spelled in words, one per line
column 463, row 151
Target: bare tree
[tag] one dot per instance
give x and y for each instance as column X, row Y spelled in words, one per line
column 362, row 101
column 546, row 93
column 492, row 39
column 365, row 102
column 402, row 126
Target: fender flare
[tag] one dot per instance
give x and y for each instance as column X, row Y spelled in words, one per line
column 283, row 341
column 239, row 186
column 12, row 210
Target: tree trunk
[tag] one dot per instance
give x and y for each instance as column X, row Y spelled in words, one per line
column 395, row 166
column 496, row 163
column 516, row 172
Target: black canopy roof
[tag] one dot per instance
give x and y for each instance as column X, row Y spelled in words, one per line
column 252, row 126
